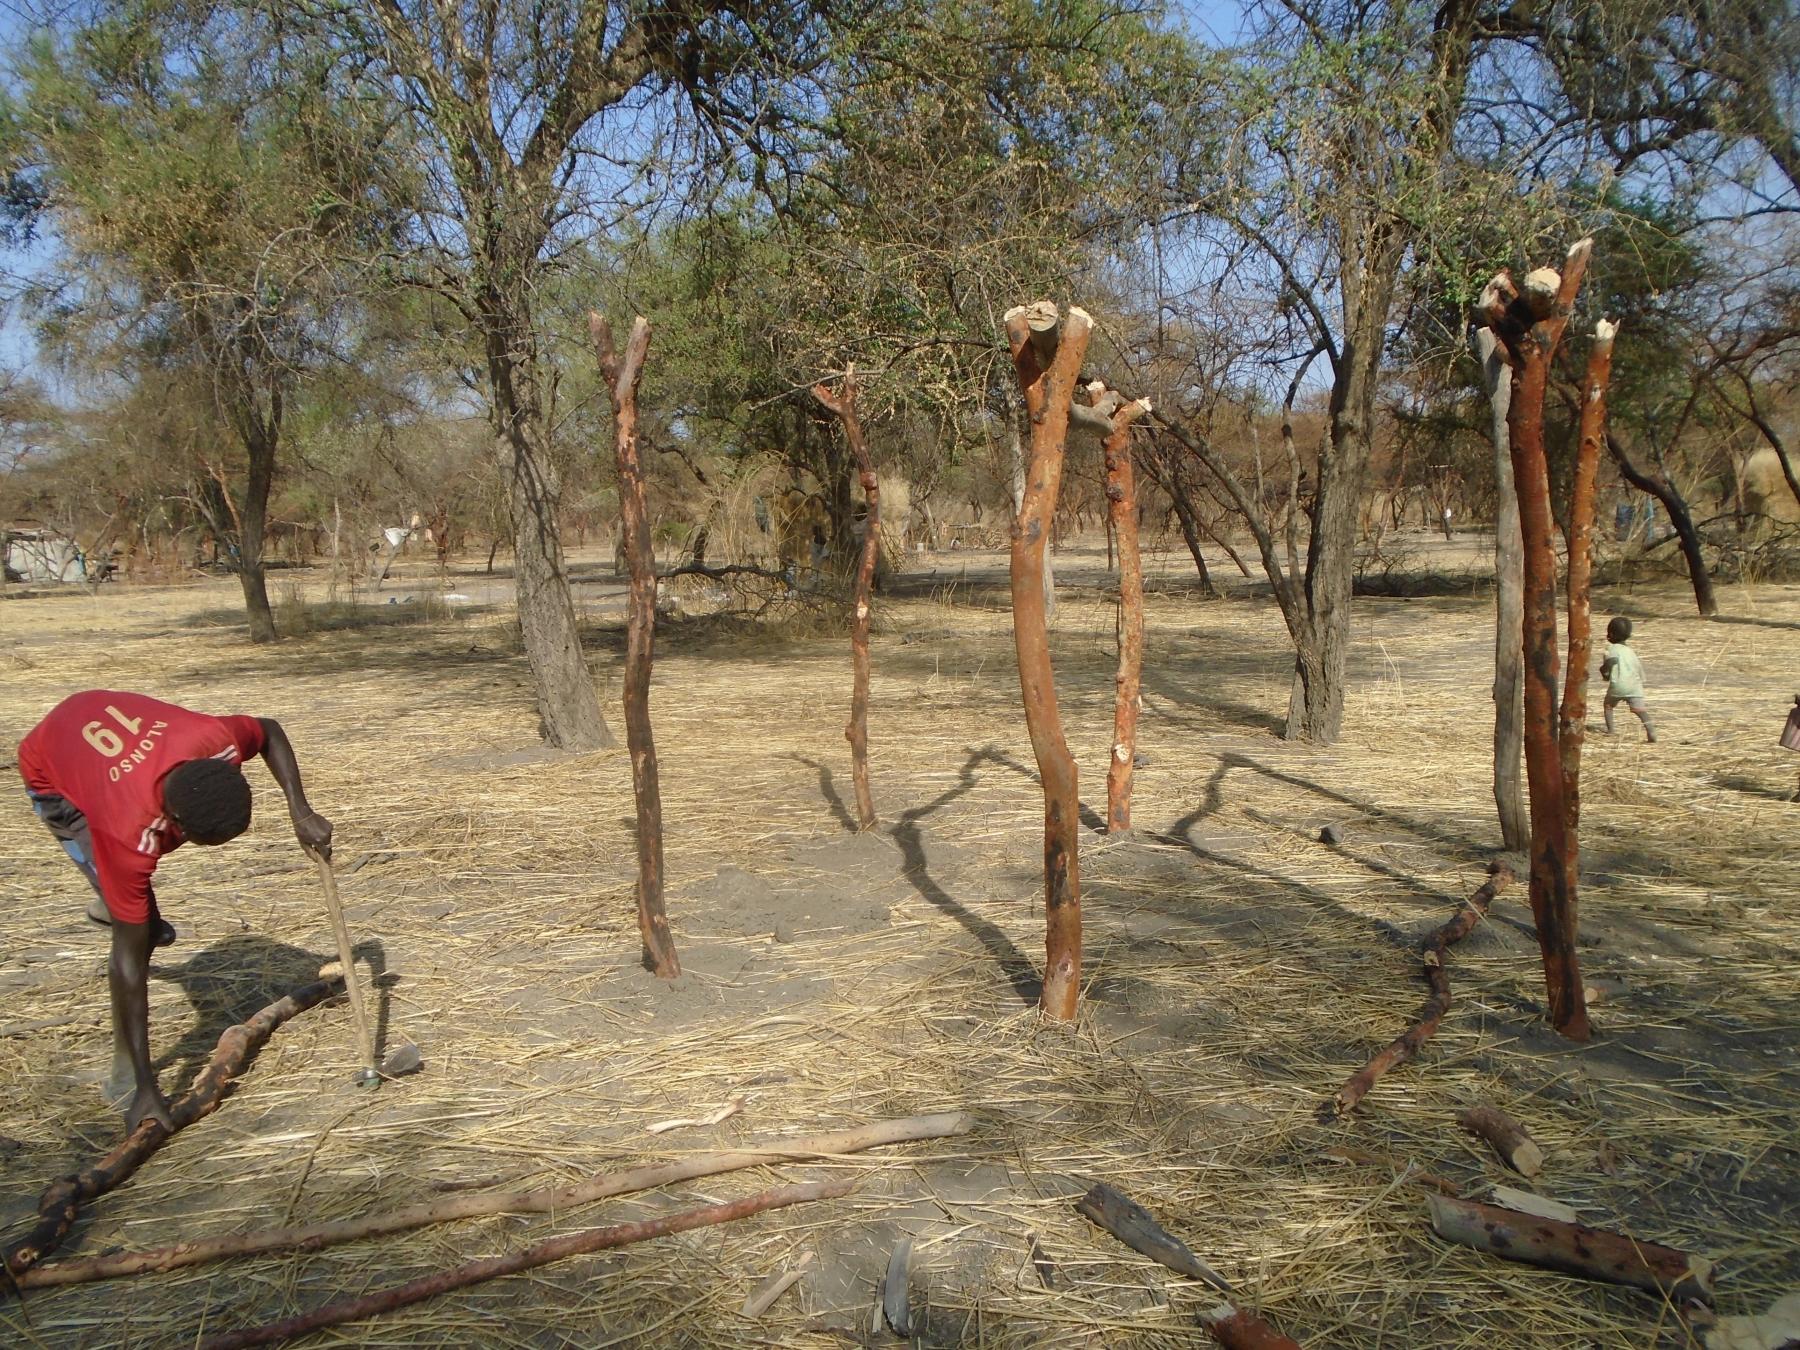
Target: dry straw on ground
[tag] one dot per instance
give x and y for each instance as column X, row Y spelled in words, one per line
column 1237, row 972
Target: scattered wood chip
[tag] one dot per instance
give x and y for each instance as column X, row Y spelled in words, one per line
column 1241, row 1329
column 1041, row 1262
column 1131, row 1223
column 1776, row 1329
column 764, row 1296
column 1592, row 1253
column 896, row 1289
column 1509, row 1138
column 1525, row 1202
column 725, row 1112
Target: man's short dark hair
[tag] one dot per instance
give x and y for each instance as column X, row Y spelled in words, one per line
column 1619, row 630
column 209, row 799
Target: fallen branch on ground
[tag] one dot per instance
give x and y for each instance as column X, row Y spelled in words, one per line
column 313, row 1237
column 1407, row 1044
column 540, row 1254
column 1593, row 1253
column 62, row 1200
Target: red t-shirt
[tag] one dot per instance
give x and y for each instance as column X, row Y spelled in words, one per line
column 107, row 752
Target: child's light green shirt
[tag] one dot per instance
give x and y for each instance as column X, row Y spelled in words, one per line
column 1627, row 678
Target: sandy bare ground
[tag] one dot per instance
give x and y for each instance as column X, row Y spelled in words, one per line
column 1237, row 972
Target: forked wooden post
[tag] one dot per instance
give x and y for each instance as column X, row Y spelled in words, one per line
column 1047, row 353
column 621, row 376
column 1121, row 505
column 843, row 405
column 1530, row 325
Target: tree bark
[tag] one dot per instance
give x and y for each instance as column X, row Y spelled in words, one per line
column 843, row 405
column 61, row 1202
column 1241, row 1329
column 539, row 1254
column 569, row 715
column 1047, row 355
column 1509, row 609
column 622, row 376
column 546, row 1200
column 1572, row 730
column 1659, row 486
column 253, row 527
column 1531, row 327
column 1122, row 511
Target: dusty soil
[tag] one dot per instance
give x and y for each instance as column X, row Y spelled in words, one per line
column 1237, row 970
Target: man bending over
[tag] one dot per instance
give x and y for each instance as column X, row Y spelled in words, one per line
column 121, row 779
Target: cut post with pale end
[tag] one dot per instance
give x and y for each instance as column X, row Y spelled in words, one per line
column 1575, row 1249
column 1240, row 1329
column 1047, row 350
column 622, row 374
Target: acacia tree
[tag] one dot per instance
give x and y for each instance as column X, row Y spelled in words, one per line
column 1338, row 131
column 206, row 190
column 516, row 115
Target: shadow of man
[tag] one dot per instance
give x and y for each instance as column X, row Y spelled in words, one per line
column 231, row 980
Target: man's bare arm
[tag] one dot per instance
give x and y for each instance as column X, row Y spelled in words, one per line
column 310, row 828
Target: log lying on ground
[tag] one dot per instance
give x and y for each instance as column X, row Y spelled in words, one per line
column 1131, row 1223
column 539, row 1254
column 62, row 1200
column 1407, row 1044
column 1509, row 1138
column 1241, row 1329
column 1592, row 1253
column 313, row 1237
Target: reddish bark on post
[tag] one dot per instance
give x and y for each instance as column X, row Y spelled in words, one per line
column 843, row 404
column 1047, row 354
column 1572, row 731
column 621, row 376
column 1530, row 326
column 1122, row 509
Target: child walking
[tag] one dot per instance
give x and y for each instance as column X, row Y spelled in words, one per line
column 1624, row 676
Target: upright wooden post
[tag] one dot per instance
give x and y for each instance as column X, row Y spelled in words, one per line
column 1530, row 325
column 1572, row 731
column 1509, row 606
column 1047, row 353
column 1122, row 513
column 843, row 404
column 621, row 376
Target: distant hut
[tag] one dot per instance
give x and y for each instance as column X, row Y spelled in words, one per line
column 41, row 553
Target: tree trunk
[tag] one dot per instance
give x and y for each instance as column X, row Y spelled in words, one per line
column 1572, row 730
column 1122, row 514
column 253, row 524
column 621, row 376
column 1531, row 326
column 1169, row 477
column 857, row 732
column 1659, row 486
column 569, row 715
column 1509, row 608
column 1048, row 363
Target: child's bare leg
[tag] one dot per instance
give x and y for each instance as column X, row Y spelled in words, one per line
column 1643, row 715
column 1606, row 709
